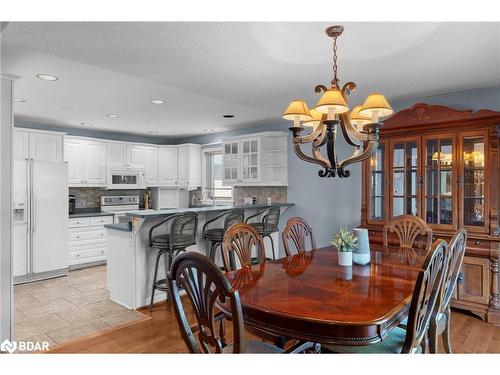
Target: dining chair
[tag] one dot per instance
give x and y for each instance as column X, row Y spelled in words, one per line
column 408, row 228
column 242, row 239
column 297, row 230
column 206, row 286
column 441, row 319
column 413, row 339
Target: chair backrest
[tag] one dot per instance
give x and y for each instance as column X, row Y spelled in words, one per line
column 455, row 258
column 204, row 284
column 183, row 229
column 234, row 217
column 297, row 230
column 271, row 219
column 425, row 296
column 407, row 228
column 242, row 239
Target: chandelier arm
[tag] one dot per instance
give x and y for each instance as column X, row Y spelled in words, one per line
column 321, row 140
column 358, row 157
column 318, row 155
column 312, row 137
column 352, row 135
column 302, row 156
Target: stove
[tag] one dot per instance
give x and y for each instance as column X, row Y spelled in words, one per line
column 119, row 205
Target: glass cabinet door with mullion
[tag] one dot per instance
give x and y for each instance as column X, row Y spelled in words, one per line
column 439, row 181
column 377, row 189
column 405, row 177
column 473, row 195
column 231, row 161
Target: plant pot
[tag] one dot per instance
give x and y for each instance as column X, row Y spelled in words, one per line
column 345, row 258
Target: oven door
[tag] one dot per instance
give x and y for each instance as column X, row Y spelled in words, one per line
column 126, row 179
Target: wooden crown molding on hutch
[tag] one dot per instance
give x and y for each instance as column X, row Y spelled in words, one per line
column 420, row 125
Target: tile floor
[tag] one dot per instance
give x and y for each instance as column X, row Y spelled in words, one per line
column 63, row 309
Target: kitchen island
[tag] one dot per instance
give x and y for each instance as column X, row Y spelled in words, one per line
column 130, row 260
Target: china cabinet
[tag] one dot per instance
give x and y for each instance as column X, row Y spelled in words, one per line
column 443, row 166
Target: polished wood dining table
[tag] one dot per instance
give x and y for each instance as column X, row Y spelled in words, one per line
column 310, row 297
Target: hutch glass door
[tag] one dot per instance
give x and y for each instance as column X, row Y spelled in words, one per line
column 405, row 177
column 438, row 181
column 377, row 195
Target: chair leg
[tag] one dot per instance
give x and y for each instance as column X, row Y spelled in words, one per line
column 447, row 332
column 272, row 245
column 212, row 251
column 158, row 256
column 433, row 337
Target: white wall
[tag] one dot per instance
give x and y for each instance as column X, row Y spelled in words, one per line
column 5, row 209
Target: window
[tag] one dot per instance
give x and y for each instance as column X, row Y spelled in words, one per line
column 214, row 188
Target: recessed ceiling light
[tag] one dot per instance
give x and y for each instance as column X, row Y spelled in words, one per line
column 157, row 101
column 70, row 108
column 153, row 132
column 208, row 130
column 112, row 115
column 19, row 100
column 46, row 77
column 86, row 124
column 228, row 116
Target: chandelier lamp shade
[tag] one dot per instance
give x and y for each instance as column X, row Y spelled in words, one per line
column 360, row 127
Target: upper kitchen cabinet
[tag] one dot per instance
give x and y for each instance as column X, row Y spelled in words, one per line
column 168, row 166
column 151, row 165
column 189, row 166
column 256, row 160
column 125, row 155
column 37, row 145
column 86, row 161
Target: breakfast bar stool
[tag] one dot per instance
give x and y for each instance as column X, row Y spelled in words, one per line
column 268, row 225
column 216, row 235
column 182, row 233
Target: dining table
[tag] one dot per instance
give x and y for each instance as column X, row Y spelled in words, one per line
column 309, row 296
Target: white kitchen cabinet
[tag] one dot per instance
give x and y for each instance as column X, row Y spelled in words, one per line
column 125, row 155
column 164, row 198
column 168, row 166
column 258, row 159
column 37, row 145
column 20, row 144
column 135, row 156
column 189, row 166
column 86, row 161
column 151, row 165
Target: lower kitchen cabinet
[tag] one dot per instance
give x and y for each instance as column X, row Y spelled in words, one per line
column 88, row 240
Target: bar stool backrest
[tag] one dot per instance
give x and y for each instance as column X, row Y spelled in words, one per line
column 183, row 229
column 234, row 217
column 271, row 219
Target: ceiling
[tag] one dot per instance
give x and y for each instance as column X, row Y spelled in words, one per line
column 250, row 70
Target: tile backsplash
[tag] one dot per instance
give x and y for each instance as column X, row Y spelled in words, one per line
column 277, row 193
column 89, row 197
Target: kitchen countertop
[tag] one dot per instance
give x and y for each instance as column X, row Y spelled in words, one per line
column 124, row 227
column 88, row 212
column 144, row 214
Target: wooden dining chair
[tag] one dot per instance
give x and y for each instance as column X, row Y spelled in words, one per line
column 242, row 240
column 408, row 228
column 425, row 295
column 205, row 287
column 297, row 230
column 441, row 319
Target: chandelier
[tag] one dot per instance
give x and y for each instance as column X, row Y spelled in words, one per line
column 360, row 127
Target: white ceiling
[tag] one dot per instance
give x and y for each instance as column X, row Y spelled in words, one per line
column 251, row 70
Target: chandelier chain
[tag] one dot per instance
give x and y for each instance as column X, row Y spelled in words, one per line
column 335, row 79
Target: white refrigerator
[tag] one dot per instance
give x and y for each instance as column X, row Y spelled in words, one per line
column 40, row 219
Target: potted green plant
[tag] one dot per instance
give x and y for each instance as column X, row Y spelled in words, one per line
column 345, row 242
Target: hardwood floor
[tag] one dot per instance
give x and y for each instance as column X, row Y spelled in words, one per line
column 160, row 334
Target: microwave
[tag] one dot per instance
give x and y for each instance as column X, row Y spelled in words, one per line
column 119, row 178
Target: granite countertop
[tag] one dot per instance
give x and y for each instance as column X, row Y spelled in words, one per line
column 88, row 212
column 124, row 227
column 144, row 214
